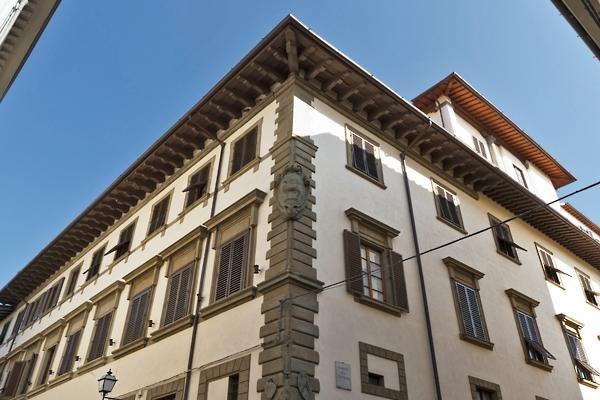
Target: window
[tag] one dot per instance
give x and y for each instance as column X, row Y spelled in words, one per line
column 124, row 244
column 550, row 270
column 382, row 372
column 520, row 176
column 465, row 291
column 72, row 281
column 66, row 364
column 100, row 336
column 135, row 327
column 363, row 155
column 232, row 267
column 198, row 186
column 447, row 206
column 504, row 241
column 374, row 272
column 480, row 147
column 590, row 294
column 26, row 377
column 46, row 369
column 484, row 390
column 535, row 353
column 572, row 330
column 159, row 215
column 179, row 289
column 12, row 380
column 233, row 387
column 18, row 322
column 94, row 268
column 4, row 331
column 244, row 150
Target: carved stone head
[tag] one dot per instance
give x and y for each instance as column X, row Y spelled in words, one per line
column 291, row 191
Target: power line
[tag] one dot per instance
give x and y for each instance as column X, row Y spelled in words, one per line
column 520, row 215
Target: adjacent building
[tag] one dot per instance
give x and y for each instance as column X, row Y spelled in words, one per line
column 305, row 232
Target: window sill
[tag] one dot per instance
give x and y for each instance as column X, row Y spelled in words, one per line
column 41, row 388
column 367, row 177
column 588, row 383
column 478, row 342
column 158, row 231
column 60, row 379
column 130, row 347
column 172, row 328
column 538, row 364
column 227, row 303
column 201, row 200
column 90, row 281
column 515, row 260
column 254, row 163
column 452, row 225
column 90, row 365
column 555, row 283
column 381, row 391
column 593, row 305
column 385, row 307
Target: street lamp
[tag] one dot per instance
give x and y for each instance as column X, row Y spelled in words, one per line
column 106, row 384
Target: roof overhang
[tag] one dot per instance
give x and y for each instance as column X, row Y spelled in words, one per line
column 581, row 217
column 584, row 17
column 291, row 51
column 21, row 38
column 472, row 104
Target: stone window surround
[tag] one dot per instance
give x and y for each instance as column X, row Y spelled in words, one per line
column 380, row 237
column 375, row 390
column 461, row 227
column 539, row 247
column 348, row 131
column 247, row 204
column 462, row 273
column 252, row 164
column 175, row 387
column 583, row 274
column 524, row 303
column 239, row 366
column 475, row 383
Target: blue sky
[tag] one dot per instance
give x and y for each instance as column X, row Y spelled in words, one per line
column 107, row 78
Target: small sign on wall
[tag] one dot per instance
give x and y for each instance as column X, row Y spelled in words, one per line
column 342, row 376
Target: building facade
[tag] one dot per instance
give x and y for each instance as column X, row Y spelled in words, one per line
column 305, row 232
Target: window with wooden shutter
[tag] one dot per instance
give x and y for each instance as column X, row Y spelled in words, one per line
column 447, row 207
column 135, row 327
column 480, row 147
column 520, row 176
column 46, row 368
column 197, row 186
column 590, row 294
column 94, row 268
column 159, row 215
column 551, row 272
column 232, row 266
column 13, row 379
column 124, row 244
column 363, row 155
column 72, row 282
column 244, row 150
column 4, row 331
column 374, row 273
column 68, row 360
column 18, row 322
column 100, row 336
column 179, row 294
column 532, row 339
column 26, row 377
column 503, row 238
column 54, row 295
column 233, row 387
column 470, row 310
column 571, row 329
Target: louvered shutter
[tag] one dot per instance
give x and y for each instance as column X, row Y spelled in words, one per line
column 354, row 272
column 137, row 317
column 576, row 348
column 131, row 321
column 12, row 381
column 184, row 292
column 48, row 359
column 223, row 274
column 358, row 154
column 98, row 344
column 468, row 304
column 238, row 154
column 371, row 162
column 18, row 322
column 399, row 281
column 528, row 329
column 68, row 359
column 250, row 147
column 26, row 376
column 238, row 263
column 172, row 298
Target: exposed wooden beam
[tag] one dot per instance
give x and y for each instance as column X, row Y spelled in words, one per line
column 197, row 129
column 125, row 198
column 358, row 107
column 226, row 109
column 383, row 110
column 181, row 148
column 243, row 100
column 146, row 185
column 259, row 88
column 305, row 53
column 213, row 120
column 350, row 91
column 335, row 81
column 158, row 163
column 317, row 69
column 272, row 73
column 392, row 122
column 171, row 157
column 292, row 51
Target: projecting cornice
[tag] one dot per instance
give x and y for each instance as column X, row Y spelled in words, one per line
column 292, row 52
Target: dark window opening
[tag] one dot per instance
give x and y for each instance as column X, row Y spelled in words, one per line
column 96, row 263
column 124, row 244
column 198, row 186
column 244, row 150
column 376, row 379
column 159, row 215
column 233, row 387
column 363, row 156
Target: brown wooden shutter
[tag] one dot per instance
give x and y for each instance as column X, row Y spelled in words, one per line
column 223, row 274
column 26, row 377
column 238, row 264
column 354, row 283
column 18, row 322
column 100, row 338
column 397, row 273
column 66, row 364
column 53, row 300
column 48, row 360
column 184, row 293
column 371, row 161
column 250, row 146
column 12, row 381
column 136, row 324
column 172, row 298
